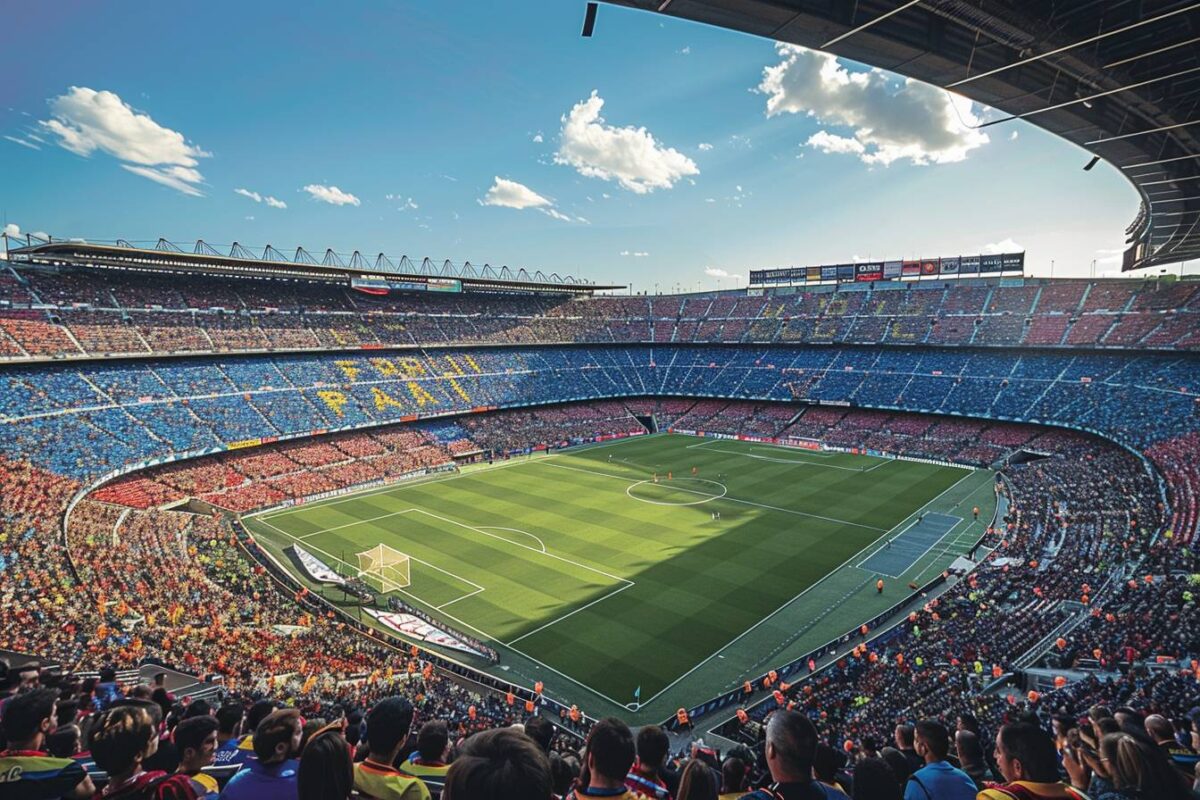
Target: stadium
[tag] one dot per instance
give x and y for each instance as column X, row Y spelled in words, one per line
column 861, row 495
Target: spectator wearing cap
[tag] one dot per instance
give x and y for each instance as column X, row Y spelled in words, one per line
column 500, row 764
column 608, row 757
column 937, row 780
column 272, row 773
column 25, row 769
column 387, row 731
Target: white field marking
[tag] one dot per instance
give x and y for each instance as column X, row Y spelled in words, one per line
column 776, row 460
column 411, row 484
column 355, row 569
column 921, row 510
column 768, row 446
column 569, row 613
column 705, row 498
column 731, row 500
column 463, row 623
column 916, row 560
column 825, row 577
column 455, row 600
column 525, row 546
column 350, row 524
column 541, row 544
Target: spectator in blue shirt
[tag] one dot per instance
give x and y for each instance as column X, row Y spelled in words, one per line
column 937, row 780
column 272, row 775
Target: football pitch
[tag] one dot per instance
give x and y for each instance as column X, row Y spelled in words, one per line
column 632, row 567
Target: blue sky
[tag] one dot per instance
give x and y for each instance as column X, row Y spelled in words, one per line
column 469, row 131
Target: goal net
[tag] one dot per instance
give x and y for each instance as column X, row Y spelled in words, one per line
column 386, row 565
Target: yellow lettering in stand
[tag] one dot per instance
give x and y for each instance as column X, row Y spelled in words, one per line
column 335, row 400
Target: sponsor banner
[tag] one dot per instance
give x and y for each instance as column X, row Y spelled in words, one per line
column 417, row 628
column 1012, row 262
column 829, row 273
column 950, row 266
column 384, row 284
column 813, row 273
column 243, row 443
column 316, row 569
column 845, row 272
column 910, row 268
column 930, row 266
column 991, row 263
column 892, row 269
column 803, row 444
column 872, row 271
column 444, row 284
column 968, row 265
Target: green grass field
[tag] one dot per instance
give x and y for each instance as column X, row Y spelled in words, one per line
column 580, row 564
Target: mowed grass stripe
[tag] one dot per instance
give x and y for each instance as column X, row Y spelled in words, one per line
column 698, row 582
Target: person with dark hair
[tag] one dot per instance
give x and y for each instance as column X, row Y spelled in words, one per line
column 121, row 741
column 899, row 764
column 65, row 742
column 500, row 764
column 326, row 766
column 196, row 739
column 790, row 749
column 970, row 756
column 733, row 778
column 1181, row 756
column 24, row 767
column 1028, row 762
column 697, row 782
column 1139, row 770
column 107, row 691
column 541, row 730
column 827, row 763
column 387, row 731
column 905, row 742
column 229, row 731
column 608, row 758
column 652, row 748
column 272, row 773
column 875, row 780
column 937, row 780
column 430, row 761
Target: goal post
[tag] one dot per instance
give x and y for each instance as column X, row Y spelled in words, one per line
column 387, row 565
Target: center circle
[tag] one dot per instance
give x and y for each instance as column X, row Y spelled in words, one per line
column 687, row 491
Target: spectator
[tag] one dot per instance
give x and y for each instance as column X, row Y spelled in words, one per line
column 791, row 747
column 500, row 764
column 1161, row 730
column 1028, row 763
column 229, row 733
column 326, row 769
column 121, row 741
column 937, row 780
column 607, row 760
column 697, row 782
column 196, row 739
column 875, row 780
column 905, row 743
column 644, row 779
column 541, row 730
column 970, row 756
column 387, row 731
column 733, row 778
column 271, row 775
column 28, row 719
column 429, row 762
column 1139, row 770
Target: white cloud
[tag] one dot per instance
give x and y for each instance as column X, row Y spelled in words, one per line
column 332, row 195
column 828, row 142
column 23, row 142
column 1012, row 137
column 716, row 272
column 86, row 121
column 686, row 51
column 406, row 203
column 538, row 138
column 915, row 121
column 635, row 253
column 12, row 229
column 258, row 198
column 250, row 219
column 556, row 214
column 710, row 199
column 704, row 147
column 631, row 156
column 510, row 194
column 1003, row 246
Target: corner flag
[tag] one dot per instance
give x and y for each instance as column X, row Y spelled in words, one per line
column 637, row 694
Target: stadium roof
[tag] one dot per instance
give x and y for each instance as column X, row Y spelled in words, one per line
column 1119, row 78
column 240, row 262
